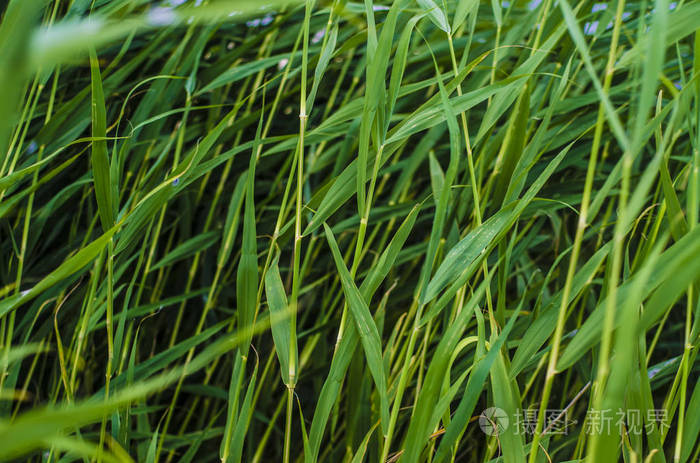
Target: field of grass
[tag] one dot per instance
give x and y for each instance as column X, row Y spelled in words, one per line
column 336, row 231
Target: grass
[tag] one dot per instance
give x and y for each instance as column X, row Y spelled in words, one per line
column 345, row 231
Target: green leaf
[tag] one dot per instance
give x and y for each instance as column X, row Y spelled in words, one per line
column 187, row 248
column 100, row 161
column 475, row 384
column 367, row 330
column 464, row 8
column 436, row 15
column 247, row 273
column 482, row 238
column 281, row 331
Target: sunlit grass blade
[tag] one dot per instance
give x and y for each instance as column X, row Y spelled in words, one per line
column 367, row 329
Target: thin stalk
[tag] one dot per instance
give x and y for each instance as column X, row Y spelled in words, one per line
column 578, row 240
column 296, row 262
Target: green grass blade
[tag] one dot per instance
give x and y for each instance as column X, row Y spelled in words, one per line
column 366, row 328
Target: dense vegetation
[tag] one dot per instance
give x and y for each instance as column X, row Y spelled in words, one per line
column 340, row 231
